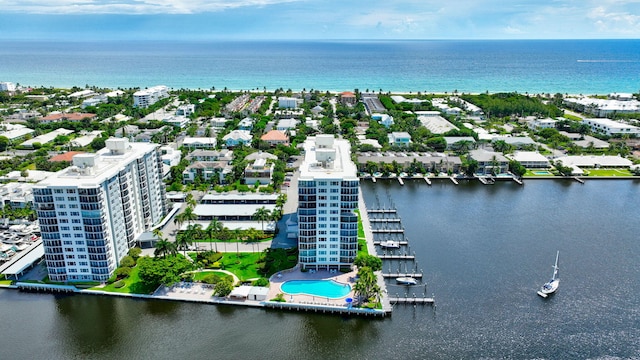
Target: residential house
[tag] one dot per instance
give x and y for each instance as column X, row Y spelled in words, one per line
column 199, row 142
column 237, row 137
column 275, row 137
column 259, row 171
column 384, row 119
column 399, row 139
column 210, row 155
column 287, row 124
column 348, row 98
column 246, row 124
column 489, row 162
column 530, row 159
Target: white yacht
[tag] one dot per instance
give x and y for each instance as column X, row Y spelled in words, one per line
column 552, row 285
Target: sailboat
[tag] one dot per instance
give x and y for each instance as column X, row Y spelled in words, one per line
column 551, row 286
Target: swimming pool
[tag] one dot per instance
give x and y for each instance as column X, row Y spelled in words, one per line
column 323, row 288
column 542, row 173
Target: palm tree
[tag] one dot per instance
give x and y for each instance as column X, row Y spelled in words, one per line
column 190, row 200
column 261, row 215
column 212, row 229
column 178, row 221
column 280, row 201
column 164, row 247
column 188, row 215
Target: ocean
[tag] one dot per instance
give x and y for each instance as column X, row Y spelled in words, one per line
column 525, row 66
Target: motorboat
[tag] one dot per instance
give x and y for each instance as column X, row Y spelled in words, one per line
column 406, row 281
column 390, row 244
column 552, row 285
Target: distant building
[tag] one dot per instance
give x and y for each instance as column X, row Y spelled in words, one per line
column 7, row 86
column 399, row 139
column 489, row 162
column 185, row 110
column 530, row 159
column 237, row 137
column 348, row 98
column 275, row 137
column 91, row 213
column 539, row 124
column 59, row 117
column 287, row 124
column 288, row 102
column 611, row 128
column 260, row 171
column 384, row 119
column 199, row 142
column 147, row 97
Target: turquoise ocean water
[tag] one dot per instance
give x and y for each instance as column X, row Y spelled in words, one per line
column 534, row 66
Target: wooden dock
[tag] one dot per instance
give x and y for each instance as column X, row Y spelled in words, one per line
column 399, row 242
column 412, row 300
column 382, row 211
column 391, row 231
column 397, row 275
column 383, row 220
column 396, row 257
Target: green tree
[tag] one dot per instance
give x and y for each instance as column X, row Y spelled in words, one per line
column 366, row 288
column 365, row 260
column 162, row 271
column 164, row 247
column 223, row 287
column 4, row 143
column 262, row 215
column 214, row 227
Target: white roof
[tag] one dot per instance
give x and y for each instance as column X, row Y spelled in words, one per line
column 230, row 209
column 26, row 260
column 239, row 196
column 528, row 156
column 241, row 291
column 595, row 160
column 435, row 124
column 16, row 133
column 238, row 135
column 199, row 140
column 341, row 167
column 48, row 137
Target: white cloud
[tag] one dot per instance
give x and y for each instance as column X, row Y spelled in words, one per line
column 128, row 6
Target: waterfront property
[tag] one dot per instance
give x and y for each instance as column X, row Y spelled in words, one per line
column 327, row 197
column 91, row 213
column 321, row 288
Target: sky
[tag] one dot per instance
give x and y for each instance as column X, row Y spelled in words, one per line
column 318, row 19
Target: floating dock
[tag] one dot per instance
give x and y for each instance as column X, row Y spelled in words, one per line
column 578, row 180
column 453, row 180
column 400, row 181
column 384, row 220
column 412, row 300
column 392, row 231
column 399, row 242
column 427, row 180
column 382, row 211
column 397, row 275
column 396, row 257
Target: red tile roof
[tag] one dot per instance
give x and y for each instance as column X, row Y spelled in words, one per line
column 65, row 157
column 68, row 117
column 275, row 135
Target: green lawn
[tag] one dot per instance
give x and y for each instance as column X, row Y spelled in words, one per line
column 229, row 241
column 133, row 285
column 6, row 282
column 242, row 265
column 608, row 172
column 198, row 276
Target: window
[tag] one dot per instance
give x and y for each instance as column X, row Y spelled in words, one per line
column 335, row 183
column 73, row 206
column 322, row 183
column 75, row 221
column 77, row 228
column 77, row 235
column 67, row 242
column 64, row 228
column 79, row 242
column 64, row 221
column 334, row 197
column 75, row 213
column 66, row 235
column 59, row 198
column 62, row 213
column 322, row 218
column 61, row 206
column 58, row 191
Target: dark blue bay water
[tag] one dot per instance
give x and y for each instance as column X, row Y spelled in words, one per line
column 485, row 251
column 534, row 66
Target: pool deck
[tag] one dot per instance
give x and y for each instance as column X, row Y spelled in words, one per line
column 296, row 274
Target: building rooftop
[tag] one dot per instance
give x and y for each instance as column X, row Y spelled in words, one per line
column 93, row 169
column 327, row 157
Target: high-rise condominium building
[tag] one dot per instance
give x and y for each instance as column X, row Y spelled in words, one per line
column 327, row 197
column 150, row 96
column 91, row 213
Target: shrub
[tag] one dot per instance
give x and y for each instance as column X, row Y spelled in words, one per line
column 279, row 298
column 211, row 278
column 127, row 261
column 112, row 279
column 261, row 282
column 135, row 253
column 216, row 265
column 122, row 272
column 118, row 284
